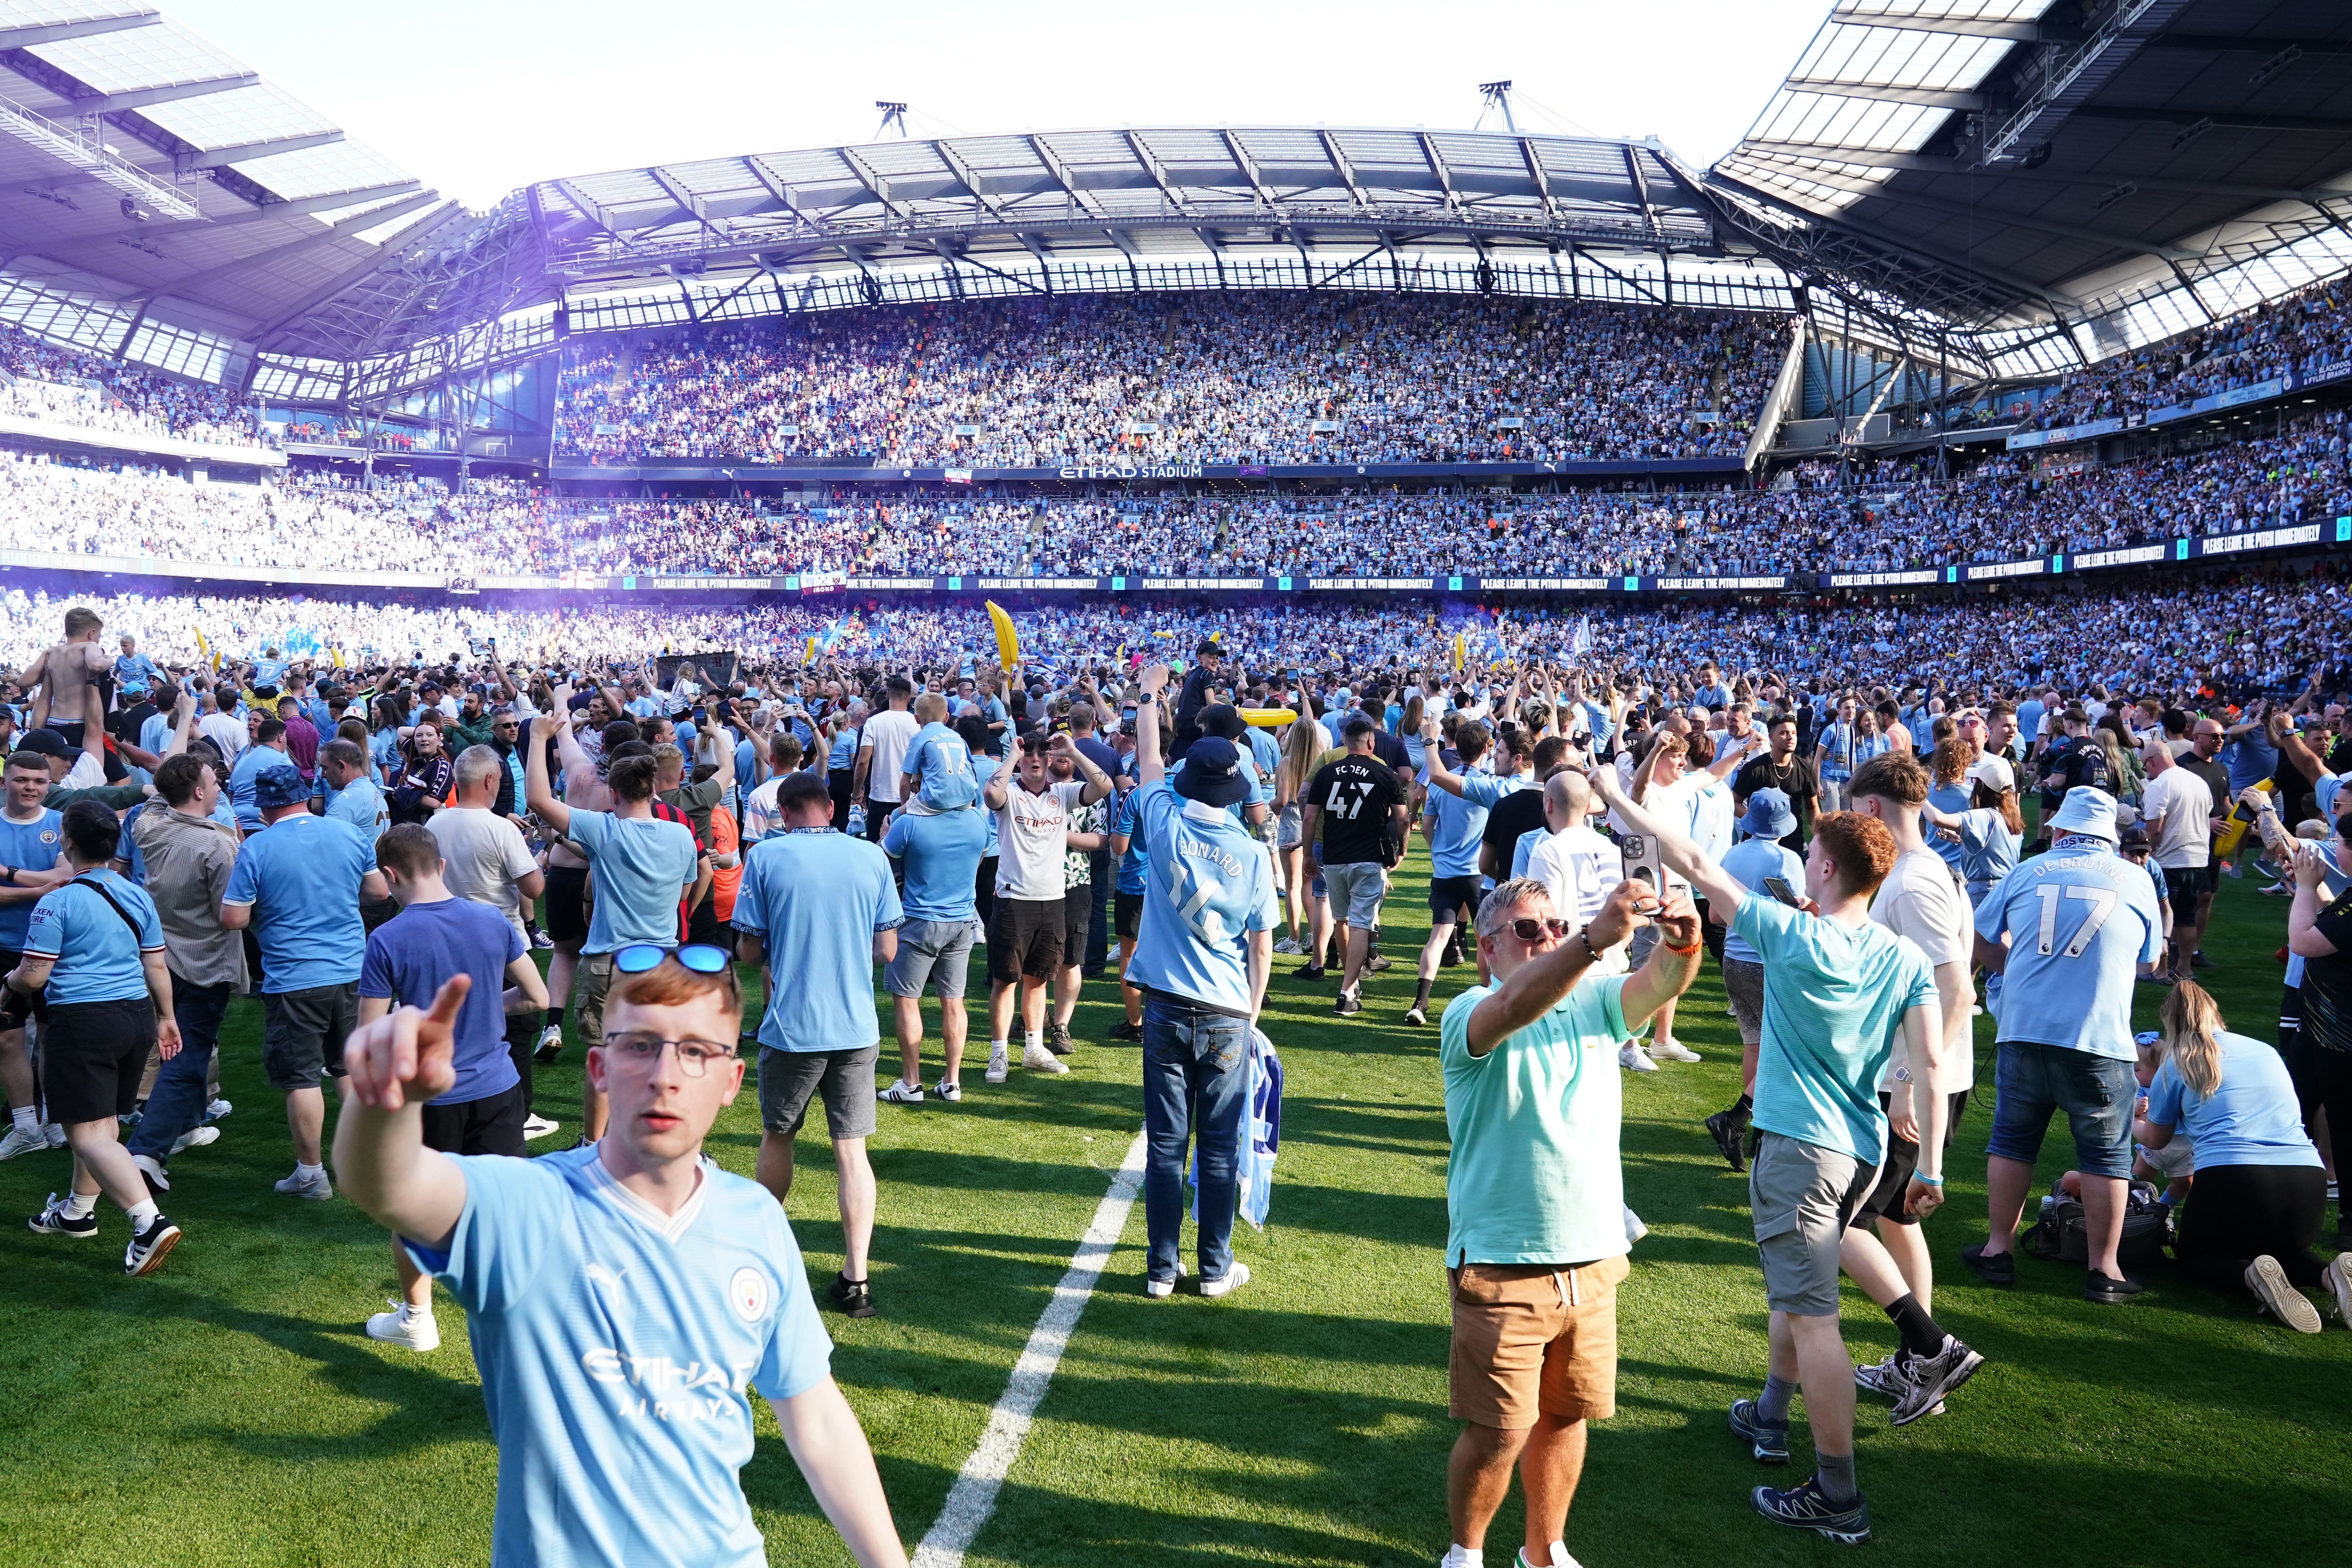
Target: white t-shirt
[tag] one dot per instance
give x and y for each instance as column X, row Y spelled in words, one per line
column 1031, row 851
column 889, row 733
column 483, row 853
column 1920, row 901
column 1580, row 868
column 2185, row 804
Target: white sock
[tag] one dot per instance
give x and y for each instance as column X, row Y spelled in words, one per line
column 143, row 1215
column 1035, row 1040
column 998, row 1048
column 410, row 1311
column 1460, row 1556
column 25, row 1120
column 80, row 1206
column 308, row 1172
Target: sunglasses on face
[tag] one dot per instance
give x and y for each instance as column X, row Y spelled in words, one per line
column 1530, row 930
column 701, row 957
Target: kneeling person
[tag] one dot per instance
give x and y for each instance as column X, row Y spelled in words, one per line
column 435, row 935
column 603, row 1440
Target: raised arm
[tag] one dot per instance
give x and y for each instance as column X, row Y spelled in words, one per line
column 1433, row 756
column 537, row 795
column 1149, row 766
column 1680, row 855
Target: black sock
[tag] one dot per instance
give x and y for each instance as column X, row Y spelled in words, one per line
column 1421, row 992
column 1920, row 1335
column 555, row 1017
column 1744, row 1105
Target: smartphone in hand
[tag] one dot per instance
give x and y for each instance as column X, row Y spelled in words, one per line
column 1778, row 888
column 1644, row 864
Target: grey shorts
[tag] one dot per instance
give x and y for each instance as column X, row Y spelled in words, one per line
column 844, row 1078
column 1803, row 1196
column 1355, row 892
column 1743, row 982
column 932, row 953
column 302, row 1034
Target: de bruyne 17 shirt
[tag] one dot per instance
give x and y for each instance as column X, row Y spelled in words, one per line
column 616, row 1345
column 2080, row 921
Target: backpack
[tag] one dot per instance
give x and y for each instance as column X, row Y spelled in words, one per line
column 2062, row 1234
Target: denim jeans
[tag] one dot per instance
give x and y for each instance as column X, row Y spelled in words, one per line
column 2032, row 1081
column 1193, row 1080
column 177, row 1104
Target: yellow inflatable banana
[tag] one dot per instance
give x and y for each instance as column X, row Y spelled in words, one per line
column 1008, row 643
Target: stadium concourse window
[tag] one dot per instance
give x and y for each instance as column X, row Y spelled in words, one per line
column 1897, row 516
column 1245, row 378
column 2157, row 634
column 66, row 386
column 2299, row 334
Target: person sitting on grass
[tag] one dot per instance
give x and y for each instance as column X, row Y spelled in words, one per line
column 2260, row 1192
column 623, row 1296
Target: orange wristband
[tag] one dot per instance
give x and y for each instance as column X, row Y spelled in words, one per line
column 1682, row 952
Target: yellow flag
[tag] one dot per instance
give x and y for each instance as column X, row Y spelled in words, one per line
column 205, row 648
column 808, row 657
column 1008, row 642
column 1457, row 653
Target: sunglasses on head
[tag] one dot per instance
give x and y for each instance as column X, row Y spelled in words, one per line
column 701, row 957
column 1527, row 929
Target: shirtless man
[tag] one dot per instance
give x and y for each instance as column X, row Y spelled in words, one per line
column 66, row 672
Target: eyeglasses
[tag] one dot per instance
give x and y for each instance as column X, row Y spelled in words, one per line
column 1530, row 930
column 694, row 1056
column 701, row 957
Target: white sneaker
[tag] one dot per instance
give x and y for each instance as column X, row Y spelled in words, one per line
column 22, row 1140
column 53, row 1135
column 2338, row 1281
column 316, row 1188
column 951, row 1092
column 1635, row 1229
column 417, row 1331
column 1232, row 1279
column 550, row 1044
column 152, row 1169
column 217, row 1109
column 1161, row 1289
column 195, row 1138
column 901, row 1092
column 1287, row 947
column 2269, row 1283
column 536, row 1126
column 1672, row 1051
column 1631, row 1058
column 996, row 1065
column 1037, row 1058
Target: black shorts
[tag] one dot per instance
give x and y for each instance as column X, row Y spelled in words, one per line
column 1127, row 916
column 1078, row 914
column 983, row 889
column 92, row 1055
column 1894, row 1185
column 1024, row 938
column 567, row 903
column 1449, row 894
column 2187, row 885
column 303, row 1033
column 492, row 1125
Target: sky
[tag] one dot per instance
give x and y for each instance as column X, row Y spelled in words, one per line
column 479, row 97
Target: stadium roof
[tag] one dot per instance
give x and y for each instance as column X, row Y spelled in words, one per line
column 2069, row 159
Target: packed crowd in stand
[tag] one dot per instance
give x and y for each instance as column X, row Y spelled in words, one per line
column 2001, row 511
column 64, row 386
column 2297, row 335
column 1239, row 378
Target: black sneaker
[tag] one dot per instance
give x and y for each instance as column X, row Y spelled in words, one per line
column 1057, row 1039
column 2109, row 1291
column 150, row 1246
column 1803, row 1506
column 1349, row 1005
column 1310, row 972
column 854, row 1297
column 1726, row 1130
column 53, row 1220
column 1768, row 1440
column 1125, row 1033
column 2199, row 961
column 1998, row 1270
column 1452, row 953
column 1417, row 1015
column 1928, row 1378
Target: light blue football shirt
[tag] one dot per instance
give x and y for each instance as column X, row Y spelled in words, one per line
column 97, row 956
column 941, row 764
column 302, row 874
column 941, row 852
column 1208, row 884
column 643, row 866
column 1834, row 997
column 2080, row 922
column 615, row 1346
column 815, row 898
column 1456, row 823
column 2252, row 1118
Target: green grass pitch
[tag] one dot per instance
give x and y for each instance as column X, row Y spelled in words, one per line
column 228, row 1410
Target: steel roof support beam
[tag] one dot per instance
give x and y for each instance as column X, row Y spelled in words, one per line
column 1079, row 200
column 1249, row 170
column 1641, row 187
column 2221, row 120
column 86, row 102
column 1536, row 174
column 343, row 230
column 1169, row 191
column 1332, row 151
column 267, row 147
column 874, row 181
column 688, row 202
column 387, row 252
column 1913, row 162
column 1437, row 167
column 2022, row 220
column 783, row 193
column 1922, row 97
column 969, row 177
column 28, row 34
column 1967, row 27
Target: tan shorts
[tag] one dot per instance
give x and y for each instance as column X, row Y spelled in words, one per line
column 590, row 982
column 1530, row 1340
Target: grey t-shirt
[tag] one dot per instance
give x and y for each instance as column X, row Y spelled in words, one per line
column 483, row 854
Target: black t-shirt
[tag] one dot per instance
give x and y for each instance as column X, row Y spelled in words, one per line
column 1794, row 778
column 2081, row 763
column 2216, row 777
column 2328, row 982
column 1517, row 812
column 1357, row 796
column 2339, row 761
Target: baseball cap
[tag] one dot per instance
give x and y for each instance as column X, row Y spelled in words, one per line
column 46, row 742
column 1994, row 773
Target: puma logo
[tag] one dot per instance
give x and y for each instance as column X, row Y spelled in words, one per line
column 608, row 1278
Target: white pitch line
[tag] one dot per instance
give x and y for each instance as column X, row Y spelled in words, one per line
column 973, row 1499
